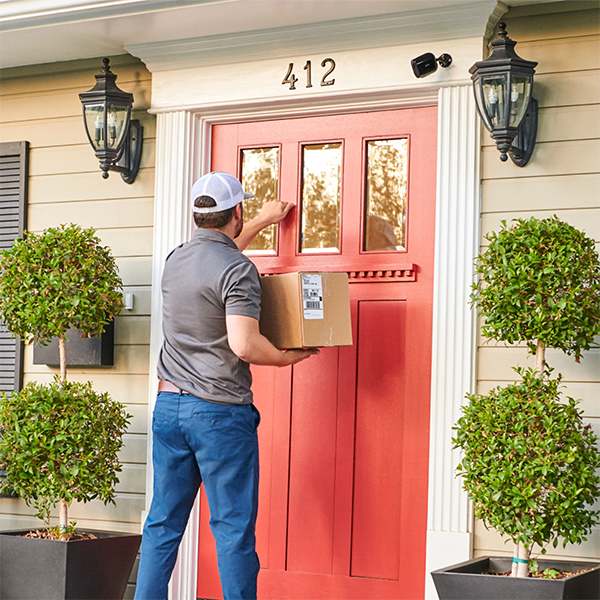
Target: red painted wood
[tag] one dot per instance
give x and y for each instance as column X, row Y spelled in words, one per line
column 378, row 446
column 345, row 458
column 312, row 464
column 272, row 585
column 344, row 436
column 208, row 573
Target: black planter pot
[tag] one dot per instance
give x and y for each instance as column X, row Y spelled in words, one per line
column 465, row 581
column 36, row 569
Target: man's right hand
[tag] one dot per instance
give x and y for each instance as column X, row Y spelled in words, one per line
column 247, row 343
column 295, row 356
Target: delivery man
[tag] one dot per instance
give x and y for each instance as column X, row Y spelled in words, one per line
column 204, row 422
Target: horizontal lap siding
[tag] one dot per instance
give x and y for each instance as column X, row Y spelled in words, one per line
column 40, row 104
column 563, row 178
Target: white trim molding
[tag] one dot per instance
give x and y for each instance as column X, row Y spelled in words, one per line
column 460, row 20
column 183, row 153
column 454, row 322
column 175, row 160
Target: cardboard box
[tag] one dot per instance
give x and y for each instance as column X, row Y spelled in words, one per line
column 306, row 310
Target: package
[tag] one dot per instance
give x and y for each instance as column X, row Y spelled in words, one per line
column 306, row 310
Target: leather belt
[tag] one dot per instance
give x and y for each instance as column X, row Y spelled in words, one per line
column 167, row 386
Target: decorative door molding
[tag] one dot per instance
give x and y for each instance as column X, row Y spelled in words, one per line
column 454, row 322
column 183, row 153
column 175, row 160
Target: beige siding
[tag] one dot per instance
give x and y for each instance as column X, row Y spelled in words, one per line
column 40, row 104
column 563, row 178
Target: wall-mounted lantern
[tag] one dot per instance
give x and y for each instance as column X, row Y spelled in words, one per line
column 503, row 84
column 116, row 139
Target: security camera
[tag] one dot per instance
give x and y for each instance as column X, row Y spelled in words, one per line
column 427, row 63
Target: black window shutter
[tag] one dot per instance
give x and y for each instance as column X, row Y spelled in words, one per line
column 14, row 171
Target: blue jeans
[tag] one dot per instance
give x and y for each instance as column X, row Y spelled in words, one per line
column 197, row 441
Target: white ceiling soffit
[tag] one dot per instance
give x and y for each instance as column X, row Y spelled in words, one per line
column 442, row 22
column 25, row 14
column 43, row 31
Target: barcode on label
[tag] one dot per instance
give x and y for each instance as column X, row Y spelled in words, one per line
column 312, row 296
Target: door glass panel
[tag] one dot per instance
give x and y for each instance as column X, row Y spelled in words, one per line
column 260, row 176
column 386, row 187
column 321, row 195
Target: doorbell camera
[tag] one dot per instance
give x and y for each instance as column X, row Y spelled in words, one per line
column 427, row 63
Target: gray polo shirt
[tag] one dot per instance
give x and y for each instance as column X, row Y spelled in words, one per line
column 204, row 280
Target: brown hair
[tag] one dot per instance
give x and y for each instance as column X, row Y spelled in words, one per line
column 215, row 220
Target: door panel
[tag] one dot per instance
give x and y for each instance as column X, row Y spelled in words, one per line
column 344, row 435
column 312, row 464
column 378, row 444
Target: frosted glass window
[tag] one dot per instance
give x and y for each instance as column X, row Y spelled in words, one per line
column 386, row 195
column 321, row 197
column 260, row 176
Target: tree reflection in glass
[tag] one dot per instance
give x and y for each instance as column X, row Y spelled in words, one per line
column 260, row 176
column 321, row 196
column 387, row 176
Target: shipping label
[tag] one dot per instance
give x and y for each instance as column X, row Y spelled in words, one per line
column 312, row 296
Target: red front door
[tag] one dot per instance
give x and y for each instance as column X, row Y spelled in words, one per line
column 344, row 435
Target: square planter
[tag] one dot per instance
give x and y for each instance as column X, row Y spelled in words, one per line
column 76, row 569
column 465, row 581
column 81, row 351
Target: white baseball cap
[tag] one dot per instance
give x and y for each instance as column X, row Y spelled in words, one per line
column 223, row 188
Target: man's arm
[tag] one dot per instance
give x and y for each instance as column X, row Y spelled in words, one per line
column 272, row 212
column 247, row 343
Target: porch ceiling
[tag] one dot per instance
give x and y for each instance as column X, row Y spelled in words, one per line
column 42, row 31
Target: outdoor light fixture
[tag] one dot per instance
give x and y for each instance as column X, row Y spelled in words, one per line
column 503, row 83
column 427, row 63
column 116, row 139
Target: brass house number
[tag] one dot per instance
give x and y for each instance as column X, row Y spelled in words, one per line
column 328, row 64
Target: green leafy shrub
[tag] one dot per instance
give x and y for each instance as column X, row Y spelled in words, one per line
column 60, row 442
column 59, row 279
column 540, row 280
column 529, row 461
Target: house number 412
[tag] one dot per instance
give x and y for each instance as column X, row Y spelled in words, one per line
column 327, row 63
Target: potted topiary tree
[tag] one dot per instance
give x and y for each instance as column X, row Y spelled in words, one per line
column 529, row 460
column 59, row 442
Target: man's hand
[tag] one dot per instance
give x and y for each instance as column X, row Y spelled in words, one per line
column 247, row 343
column 295, row 356
column 271, row 212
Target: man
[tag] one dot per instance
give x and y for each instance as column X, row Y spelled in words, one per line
column 204, row 422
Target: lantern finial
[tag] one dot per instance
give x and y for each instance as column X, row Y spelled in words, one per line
column 502, row 30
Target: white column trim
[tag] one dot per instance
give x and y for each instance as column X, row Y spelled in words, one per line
column 454, row 322
column 175, row 160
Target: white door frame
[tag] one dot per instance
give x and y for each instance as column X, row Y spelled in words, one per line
column 183, row 154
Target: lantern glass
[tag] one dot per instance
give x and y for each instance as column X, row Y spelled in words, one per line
column 481, row 104
column 520, row 92
column 109, row 135
column 494, row 96
column 94, row 123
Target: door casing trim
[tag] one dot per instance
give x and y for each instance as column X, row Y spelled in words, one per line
column 183, row 154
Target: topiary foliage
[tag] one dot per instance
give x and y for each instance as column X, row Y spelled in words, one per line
column 529, row 461
column 540, row 280
column 56, row 280
column 60, row 442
